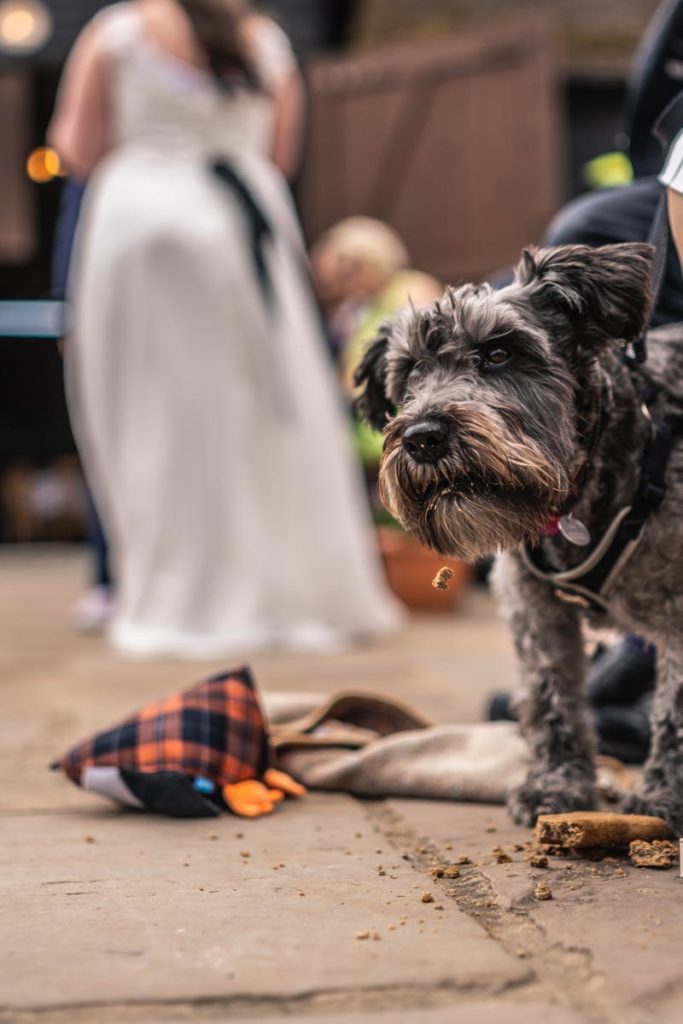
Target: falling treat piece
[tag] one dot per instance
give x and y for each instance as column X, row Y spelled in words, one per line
column 598, row 828
column 443, row 578
column 660, row 853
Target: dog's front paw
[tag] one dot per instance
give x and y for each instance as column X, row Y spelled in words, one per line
column 549, row 795
column 659, row 803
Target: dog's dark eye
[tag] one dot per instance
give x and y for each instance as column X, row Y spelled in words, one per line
column 496, row 355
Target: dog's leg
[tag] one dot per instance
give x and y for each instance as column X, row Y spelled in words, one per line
column 662, row 790
column 552, row 710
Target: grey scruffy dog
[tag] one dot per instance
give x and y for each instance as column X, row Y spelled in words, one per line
column 504, row 409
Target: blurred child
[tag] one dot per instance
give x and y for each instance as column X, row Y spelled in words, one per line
column 360, row 268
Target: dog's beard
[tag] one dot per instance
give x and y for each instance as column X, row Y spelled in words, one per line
column 493, row 490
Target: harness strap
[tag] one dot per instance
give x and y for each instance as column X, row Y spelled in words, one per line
column 589, row 583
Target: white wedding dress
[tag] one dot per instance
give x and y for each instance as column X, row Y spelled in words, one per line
column 208, row 420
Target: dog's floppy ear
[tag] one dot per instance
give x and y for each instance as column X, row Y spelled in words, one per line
column 373, row 404
column 606, row 292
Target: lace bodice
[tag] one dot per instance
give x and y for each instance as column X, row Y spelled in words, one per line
column 163, row 103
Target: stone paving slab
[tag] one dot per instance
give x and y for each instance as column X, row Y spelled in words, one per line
column 620, row 924
column 460, row 1011
column 155, row 922
column 132, row 906
column 466, row 1012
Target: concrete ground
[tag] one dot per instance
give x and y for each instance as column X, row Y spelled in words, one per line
column 111, row 916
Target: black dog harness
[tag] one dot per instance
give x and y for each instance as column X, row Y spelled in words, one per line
column 588, row 585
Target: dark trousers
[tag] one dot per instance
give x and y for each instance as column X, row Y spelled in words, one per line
column 67, row 220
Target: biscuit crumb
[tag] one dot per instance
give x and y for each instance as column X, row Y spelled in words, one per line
column 443, row 578
column 438, row 872
column 500, row 856
column 427, row 897
column 451, row 871
column 538, row 860
column 362, row 935
column 463, row 859
column 88, row 839
column 660, row 853
column 542, row 891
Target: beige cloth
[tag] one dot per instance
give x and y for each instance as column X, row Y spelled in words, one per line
column 373, row 746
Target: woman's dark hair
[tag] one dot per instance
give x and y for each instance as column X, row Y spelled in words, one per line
column 216, row 25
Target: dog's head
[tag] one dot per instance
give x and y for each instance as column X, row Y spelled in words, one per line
column 487, row 398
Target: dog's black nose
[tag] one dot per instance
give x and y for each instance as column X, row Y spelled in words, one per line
column 427, row 440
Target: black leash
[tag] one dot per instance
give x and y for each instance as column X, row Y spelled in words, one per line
column 589, row 583
column 666, row 128
column 659, row 239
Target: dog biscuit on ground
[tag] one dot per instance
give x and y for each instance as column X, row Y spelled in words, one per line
column 598, row 828
column 442, row 578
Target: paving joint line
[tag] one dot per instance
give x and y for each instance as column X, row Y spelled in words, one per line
column 567, row 971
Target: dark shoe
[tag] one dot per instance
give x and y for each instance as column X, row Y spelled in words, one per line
column 500, row 709
column 622, row 674
column 624, row 732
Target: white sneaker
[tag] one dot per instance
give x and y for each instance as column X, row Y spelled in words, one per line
column 92, row 612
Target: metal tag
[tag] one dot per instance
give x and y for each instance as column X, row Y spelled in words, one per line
column 574, row 531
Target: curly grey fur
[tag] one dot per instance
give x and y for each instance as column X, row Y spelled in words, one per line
column 558, row 427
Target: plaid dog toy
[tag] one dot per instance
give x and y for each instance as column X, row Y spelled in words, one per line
column 186, row 756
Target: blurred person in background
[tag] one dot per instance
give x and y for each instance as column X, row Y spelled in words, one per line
column 625, row 671
column 93, row 610
column 622, row 675
column 361, row 273
column 202, row 398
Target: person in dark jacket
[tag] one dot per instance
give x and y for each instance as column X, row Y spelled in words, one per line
column 622, row 676
column 625, row 214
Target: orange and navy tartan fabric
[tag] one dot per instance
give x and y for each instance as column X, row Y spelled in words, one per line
column 215, row 730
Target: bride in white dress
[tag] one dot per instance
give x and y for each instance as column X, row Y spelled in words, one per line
column 203, row 403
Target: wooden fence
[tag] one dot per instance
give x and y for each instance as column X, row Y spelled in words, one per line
column 456, row 144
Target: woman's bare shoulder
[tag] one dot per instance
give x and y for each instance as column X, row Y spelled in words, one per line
column 270, row 46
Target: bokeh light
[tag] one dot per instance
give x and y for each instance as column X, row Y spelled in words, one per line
column 44, row 165
column 25, row 26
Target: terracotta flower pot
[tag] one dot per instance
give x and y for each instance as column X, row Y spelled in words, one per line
column 410, row 569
